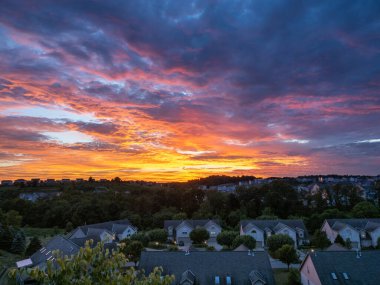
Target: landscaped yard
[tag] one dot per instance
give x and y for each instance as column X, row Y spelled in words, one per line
column 281, row 276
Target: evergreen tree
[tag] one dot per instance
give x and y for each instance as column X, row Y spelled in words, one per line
column 19, row 243
column 34, row 245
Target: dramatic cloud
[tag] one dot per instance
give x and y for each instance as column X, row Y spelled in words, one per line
column 180, row 89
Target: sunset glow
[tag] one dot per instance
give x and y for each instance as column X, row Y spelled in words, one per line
column 188, row 89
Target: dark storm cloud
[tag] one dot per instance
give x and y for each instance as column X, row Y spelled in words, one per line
column 298, row 77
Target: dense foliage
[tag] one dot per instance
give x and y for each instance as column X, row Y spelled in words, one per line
column 275, row 242
column 199, row 235
column 287, row 254
column 93, row 266
column 245, row 240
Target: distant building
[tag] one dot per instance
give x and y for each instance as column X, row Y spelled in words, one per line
column 6, row 182
column 211, row 267
column 341, row 267
column 179, row 230
column 260, row 230
column 360, row 232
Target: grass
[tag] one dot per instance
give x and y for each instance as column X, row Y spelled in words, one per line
column 44, row 234
column 281, row 276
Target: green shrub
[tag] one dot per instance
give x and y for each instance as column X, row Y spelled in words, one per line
column 275, row 242
column 246, row 240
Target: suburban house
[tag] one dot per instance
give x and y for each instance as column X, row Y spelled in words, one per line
column 260, row 230
column 179, row 230
column 211, row 267
column 341, row 267
column 40, row 257
column 107, row 232
column 360, row 232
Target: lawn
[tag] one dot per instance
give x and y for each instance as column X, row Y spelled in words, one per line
column 44, row 234
column 281, row 276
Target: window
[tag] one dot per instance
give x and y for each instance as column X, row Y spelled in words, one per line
column 300, row 234
column 253, row 231
column 345, row 276
column 333, row 275
column 184, row 233
column 213, row 233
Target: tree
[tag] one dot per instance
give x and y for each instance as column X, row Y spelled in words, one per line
column 275, row 242
column 226, row 238
column 246, row 240
column 96, row 266
column 19, row 243
column 199, row 235
column 267, row 214
column 294, row 277
column 133, row 250
column 34, row 245
column 365, row 209
column 141, row 237
column 339, row 240
column 158, row 235
column 180, row 216
column 6, row 238
column 287, row 254
column 320, row 240
column 13, row 218
column 69, row 227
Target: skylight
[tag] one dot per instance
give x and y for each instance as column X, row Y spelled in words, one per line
column 333, row 275
column 217, row 280
column 345, row 276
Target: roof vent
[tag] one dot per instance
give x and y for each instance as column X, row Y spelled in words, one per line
column 249, row 252
column 333, row 275
column 345, row 276
column 187, row 252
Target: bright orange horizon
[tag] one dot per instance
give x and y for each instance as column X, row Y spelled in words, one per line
column 186, row 90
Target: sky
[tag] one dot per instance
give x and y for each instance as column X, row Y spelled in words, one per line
column 176, row 90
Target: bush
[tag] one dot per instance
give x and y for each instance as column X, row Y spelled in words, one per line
column 158, row 235
column 199, row 235
column 227, row 238
column 275, row 242
column 378, row 243
column 210, row 248
column 294, row 277
column 340, row 240
column 248, row 241
column 141, row 237
column 133, row 250
column 320, row 240
column 156, row 245
column 173, row 248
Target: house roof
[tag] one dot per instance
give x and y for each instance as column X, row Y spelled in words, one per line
column 359, row 224
column 57, row 243
column 111, row 226
column 362, row 270
column 336, row 247
column 206, row 265
column 275, row 225
column 191, row 223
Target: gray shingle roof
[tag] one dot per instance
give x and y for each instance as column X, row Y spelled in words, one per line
column 60, row 243
column 359, row 224
column 110, row 226
column 192, row 223
column 276, row 224
column 207, row 264
column 360, row 271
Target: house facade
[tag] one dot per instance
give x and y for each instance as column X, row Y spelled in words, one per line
column 341, row 267
column 361, row 232
column 179, row 230
column 260, row 230
column 211, row 267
